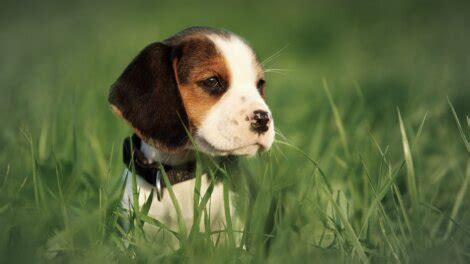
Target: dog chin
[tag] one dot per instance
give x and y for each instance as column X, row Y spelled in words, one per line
column 248, row 150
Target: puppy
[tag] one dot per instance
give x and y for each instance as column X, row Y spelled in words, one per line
column 203, row 89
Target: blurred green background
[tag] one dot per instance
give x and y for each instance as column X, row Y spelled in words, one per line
column 337, row 72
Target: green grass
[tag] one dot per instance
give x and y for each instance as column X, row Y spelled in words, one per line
column 371, row 161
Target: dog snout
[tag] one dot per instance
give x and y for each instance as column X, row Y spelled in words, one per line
column 260, row 121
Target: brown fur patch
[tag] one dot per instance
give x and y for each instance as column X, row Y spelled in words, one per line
column 200, row 60
column 116, row 111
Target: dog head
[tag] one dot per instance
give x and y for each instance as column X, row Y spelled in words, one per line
column 202, row 81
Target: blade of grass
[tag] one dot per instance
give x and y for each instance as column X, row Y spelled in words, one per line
column 43, row 141
column 196, row 199
column 403, row 209
column 200, row 208
column 155, row 222
column 135, row 200
column 411, row 178
column 176, row 205
column 359, row 92
column 36, row 182
column 458, row 200
column 437, row 210
column 462, row 134
column 61, row 199
column 228, row 217
column 146, row 206
column 98, row 154
column 349, row 230
column 314, row 163
column 6, row 175
column 387, row 240
column 337, row 118
column 420, row 130
column 379, row 196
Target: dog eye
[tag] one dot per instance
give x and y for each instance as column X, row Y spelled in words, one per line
column 260, row 86
column 211, row 82
column 213, row 85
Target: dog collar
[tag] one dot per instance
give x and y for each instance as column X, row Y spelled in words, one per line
column 135, row 161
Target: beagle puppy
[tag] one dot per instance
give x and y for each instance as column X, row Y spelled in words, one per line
column 201, row 89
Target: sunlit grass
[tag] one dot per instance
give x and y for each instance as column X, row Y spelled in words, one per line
column 370, row 164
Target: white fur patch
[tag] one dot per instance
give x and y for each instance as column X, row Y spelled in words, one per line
column 226, row 127
column 164, row 210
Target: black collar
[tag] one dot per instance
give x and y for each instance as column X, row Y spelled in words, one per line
column 136, row 161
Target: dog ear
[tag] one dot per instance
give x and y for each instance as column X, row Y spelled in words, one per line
column 147, row 96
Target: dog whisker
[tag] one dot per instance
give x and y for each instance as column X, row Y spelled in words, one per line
column 274, row 56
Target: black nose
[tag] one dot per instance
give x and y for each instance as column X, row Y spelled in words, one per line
column 259, row 121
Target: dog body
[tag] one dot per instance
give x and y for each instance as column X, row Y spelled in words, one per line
column 202, row 84
column 164, row 210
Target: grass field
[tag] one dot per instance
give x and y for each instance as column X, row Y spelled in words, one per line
column 371, row 101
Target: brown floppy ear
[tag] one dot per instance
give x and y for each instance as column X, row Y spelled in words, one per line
column 147, row 96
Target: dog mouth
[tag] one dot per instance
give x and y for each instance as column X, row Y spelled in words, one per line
column 246, row 149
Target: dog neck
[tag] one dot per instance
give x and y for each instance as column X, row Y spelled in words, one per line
column 173, row 159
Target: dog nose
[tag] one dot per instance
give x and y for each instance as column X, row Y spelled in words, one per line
column 259, row 121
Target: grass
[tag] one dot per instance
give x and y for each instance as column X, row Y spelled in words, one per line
column 371, row 161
